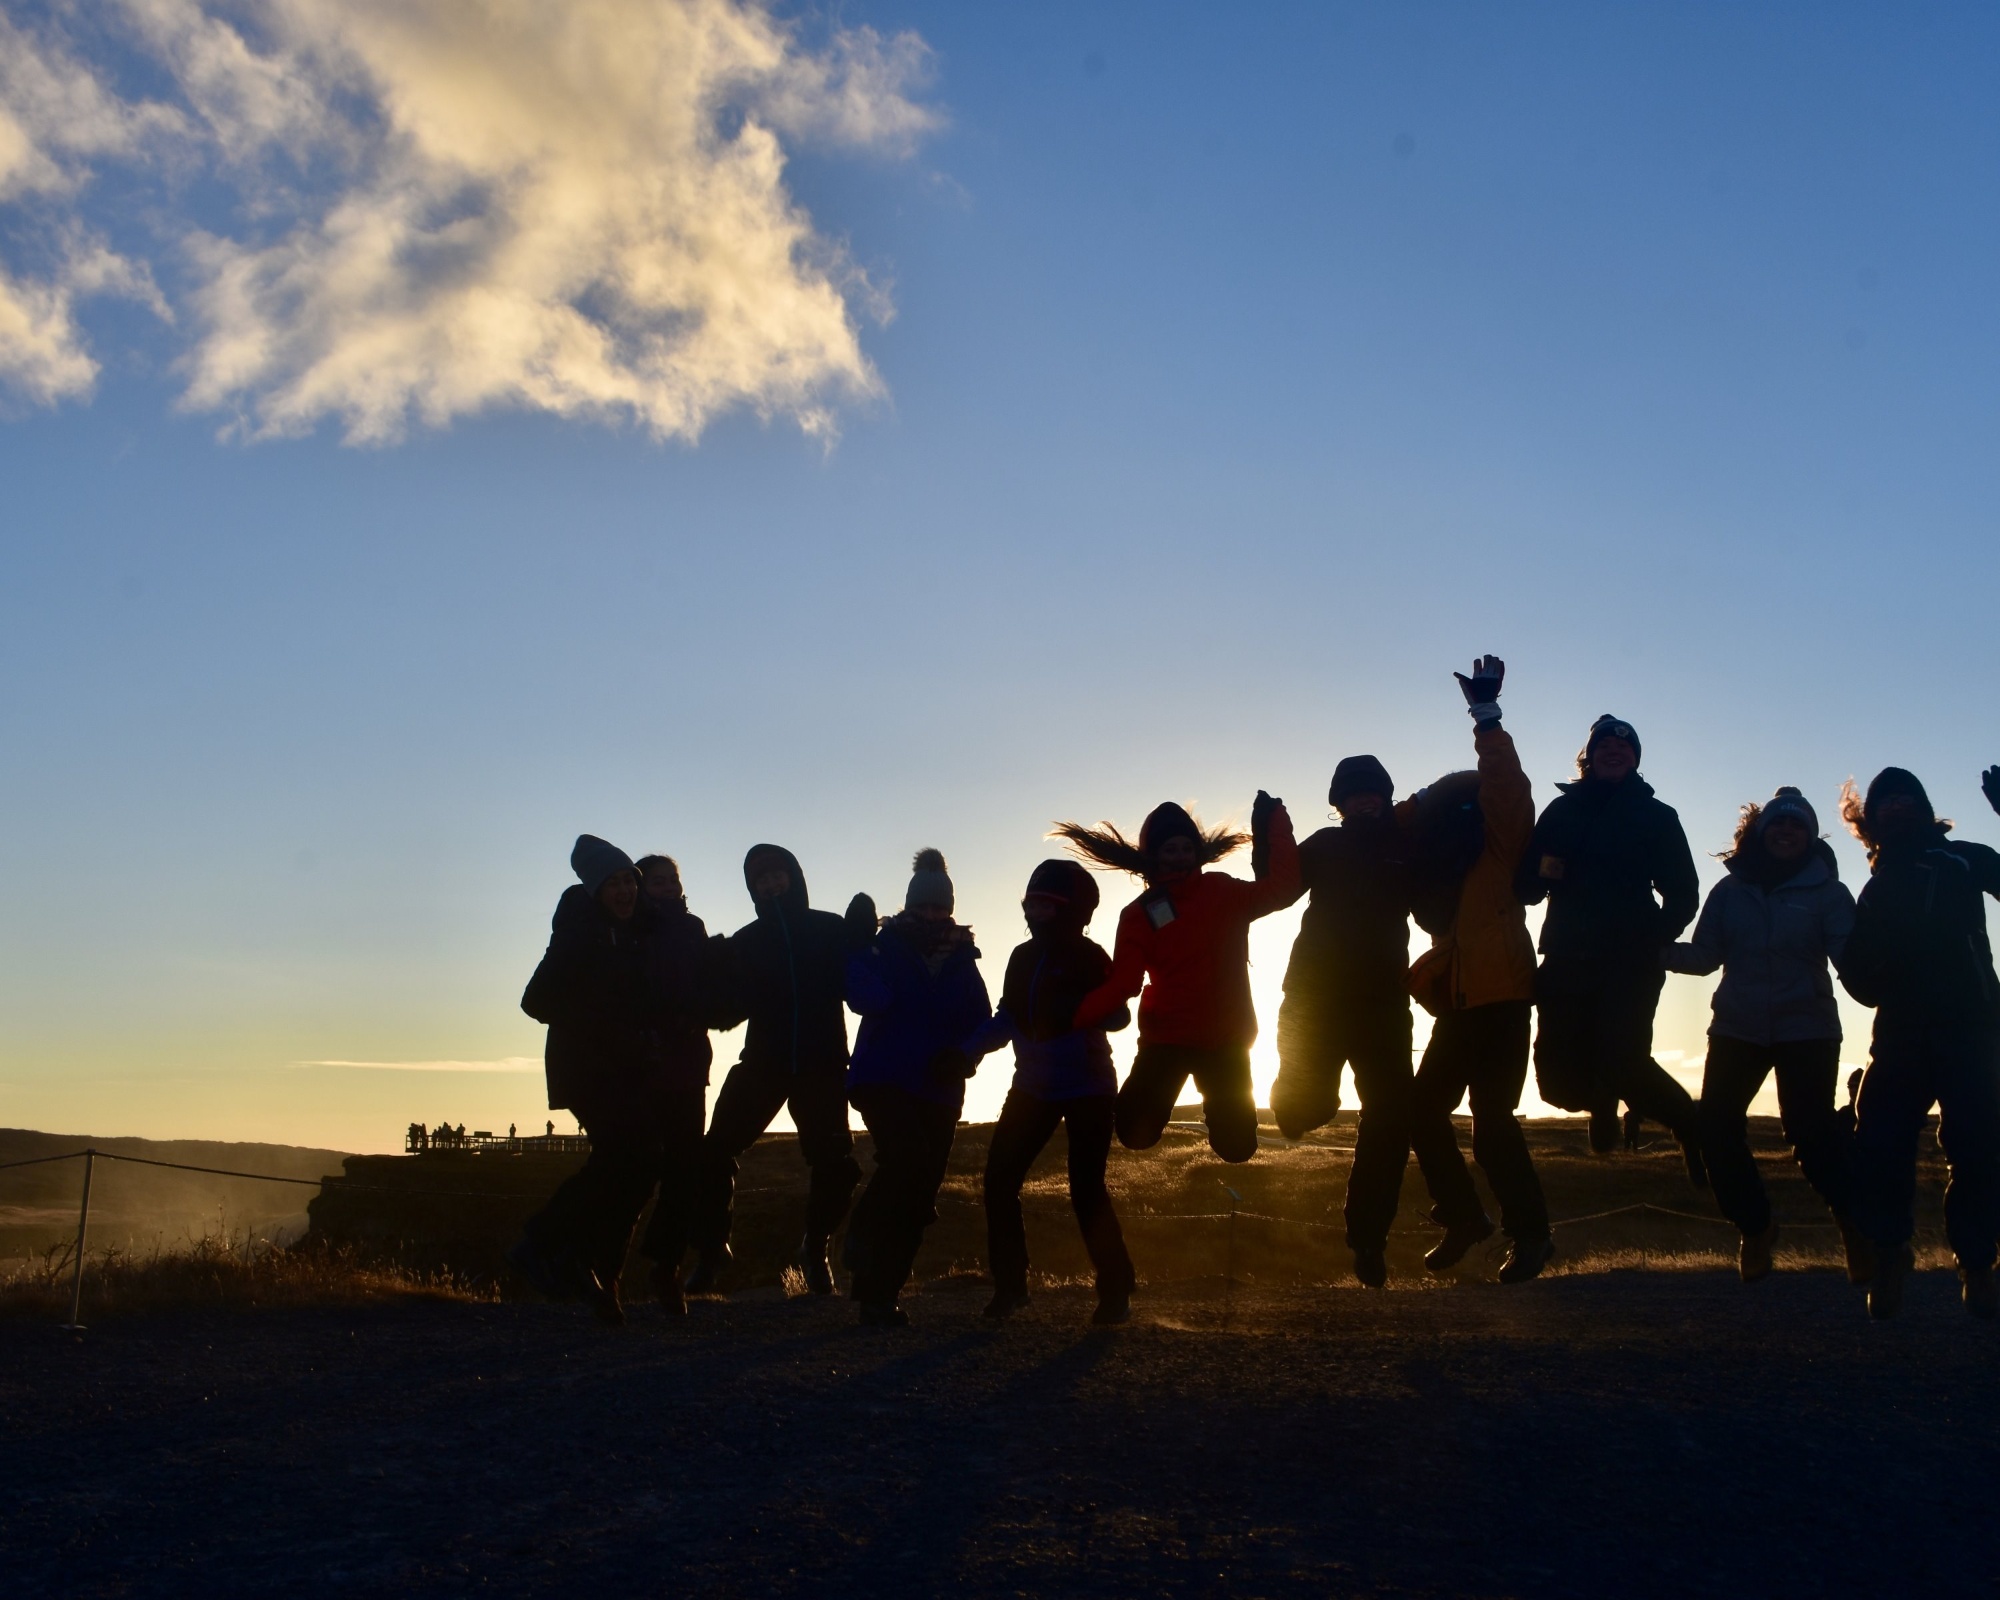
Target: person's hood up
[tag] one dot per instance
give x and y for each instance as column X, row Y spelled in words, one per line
column 794, row 900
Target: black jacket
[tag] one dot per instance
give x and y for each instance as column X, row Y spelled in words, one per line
column 785, row 974
column 592, row 990
column 1919, row 944
column 1353, row 946
column 681, row 982
column 1597, row 855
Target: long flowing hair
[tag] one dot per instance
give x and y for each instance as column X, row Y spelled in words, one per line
column 1854, row 812
column 1107, row 846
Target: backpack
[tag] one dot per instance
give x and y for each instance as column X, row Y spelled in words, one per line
column 1447, row 834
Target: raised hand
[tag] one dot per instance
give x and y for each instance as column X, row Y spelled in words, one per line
column 861, row 922
column 1482, row 689
column 1989, row 781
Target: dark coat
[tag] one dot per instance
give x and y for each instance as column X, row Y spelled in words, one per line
column 911, row 1015
column 1919, row 944
column 784, row 974
column 1047, row 978
column 592, row 990
column 680, row 981
column 1598, row 854
column 1353, row 948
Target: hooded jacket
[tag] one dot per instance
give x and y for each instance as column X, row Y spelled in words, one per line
column 1353, row 948
column 1048, row 976
column 1597, row 855
column 592, row 990
column 1486, row 956
column 784, row 974
column 679, row 982
column 1188, row 943
column 1773, row 946
column 1919, row 949
column 909, row 1014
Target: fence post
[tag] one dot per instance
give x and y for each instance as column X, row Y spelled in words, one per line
column 82, row 1226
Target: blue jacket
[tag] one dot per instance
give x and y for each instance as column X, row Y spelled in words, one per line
column 909, row 1014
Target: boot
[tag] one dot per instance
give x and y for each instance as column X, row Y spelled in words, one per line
column 1527, row 1259
column 1979, row 1292
column 1604, row 1132
column 1635, row 1125
column 1893, row 1265
column 1005, row 1303
column 813, row 1264
column 1753, row 1257
column 1860, row 1250
column 1115, row 1306
column 1371, row 1266
column 1457, row 1243
column 707, row 1270
column 1692, row 1158
column 666, row 1281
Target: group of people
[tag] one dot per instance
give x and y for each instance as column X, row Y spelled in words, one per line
column 632, row 985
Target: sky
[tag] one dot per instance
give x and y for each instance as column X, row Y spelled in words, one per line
column 430, row 429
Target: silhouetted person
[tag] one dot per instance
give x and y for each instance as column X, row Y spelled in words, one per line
column 1347, row 1001
column 1478, row 979
column 1063, row 1077
column 1603, row 849
column 1778, row 916
column 915, row 984
column 785, row 974
column 1186, row 939
column 1919, row 954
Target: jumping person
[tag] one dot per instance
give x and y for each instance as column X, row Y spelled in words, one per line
column 1347, row 1001
column 916, row 987
column 1062, row 1076
column 1186, row 939
column 785, row 974
column 603, row 1060
column 1602, row 850
column 1478, row 979
column 1778, row 916
column 1919, row 955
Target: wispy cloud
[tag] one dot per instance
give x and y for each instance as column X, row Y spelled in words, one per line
column 447, row 206
column 504, row 1064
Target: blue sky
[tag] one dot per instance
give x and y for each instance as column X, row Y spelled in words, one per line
column 1246, row 374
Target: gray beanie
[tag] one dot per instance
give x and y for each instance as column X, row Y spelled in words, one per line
column 593, row 860
column 1788, row 802
column 929, row 884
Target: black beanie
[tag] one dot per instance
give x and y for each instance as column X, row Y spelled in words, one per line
column 1068, row 882
column 1610, row 727
column 1360, row 775
column 1895, row 780
column 1164, row 822
column 593, row 860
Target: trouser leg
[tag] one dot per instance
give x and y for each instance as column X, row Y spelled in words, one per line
column 1808, row 1078
column 1566, row 1066
column 1896, row 1095
column 1734, row 1072
column 1228, row 1103
column 749, row 1098
column 1969, row 1135
column 667, row 1234
column 1146, row 1099
column 1307, row 1093
column 818, row 1103
column 912, row 1148
column 1089, row 1131
column 1025, row 1126
column 1441, row 1081
column 1625, row 1034
column 1382, row 1083
column 1498, row 1073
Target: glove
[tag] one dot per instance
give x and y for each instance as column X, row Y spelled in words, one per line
column 1261, row 811
column 952, row 1064
column 1989, row 781
column 861, row 922
column 1482, row 689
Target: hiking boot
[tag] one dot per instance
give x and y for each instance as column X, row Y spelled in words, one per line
column 1115, row 1306
column 1527, row 1259
column 604, row 1302
column 666, row 1281
column 1634, row 1125
column 813, row 1266
column 707, row 1270
column 876, row 1315
column 1753, row 1256
column 1371, row 1266
column 1860, row 1250
column 1893, row 1267
column 1692, row 1158
column 1457, row 1243
column 1005, row 1303
column 1603, row 1132
column 1979, row 1292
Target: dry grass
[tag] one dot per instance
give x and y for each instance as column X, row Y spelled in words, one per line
column 243, row 1273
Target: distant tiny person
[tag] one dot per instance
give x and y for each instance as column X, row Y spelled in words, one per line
column 1919, row 954
column 1063, row 1076
column 1774, row 922
column 1186, row 941
column 914, row 982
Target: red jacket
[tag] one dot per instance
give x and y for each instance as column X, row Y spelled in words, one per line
column 1192, row 941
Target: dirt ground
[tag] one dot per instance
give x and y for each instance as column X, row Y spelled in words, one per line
column 1620, row 1432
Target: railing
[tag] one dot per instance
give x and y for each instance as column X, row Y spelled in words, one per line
column 422, row 1141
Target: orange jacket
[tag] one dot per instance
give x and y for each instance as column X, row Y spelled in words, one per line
column 1486, row 955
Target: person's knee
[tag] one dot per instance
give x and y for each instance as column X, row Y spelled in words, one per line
column 1137, row 1129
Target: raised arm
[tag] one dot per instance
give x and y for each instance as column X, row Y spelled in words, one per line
column 1280, row 882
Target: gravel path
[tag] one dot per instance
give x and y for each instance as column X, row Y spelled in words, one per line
column 1625, row 1433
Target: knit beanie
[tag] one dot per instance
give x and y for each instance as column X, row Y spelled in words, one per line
column 1610, row 727
column 1788, row 802
column 929, row 884
column 1359, row 775
column 593, row 860
column 1068, row 882
column 1894, row 780
column 1164, row 822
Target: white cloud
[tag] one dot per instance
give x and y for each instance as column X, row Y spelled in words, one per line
column 448, row 206
column 504, row 1064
